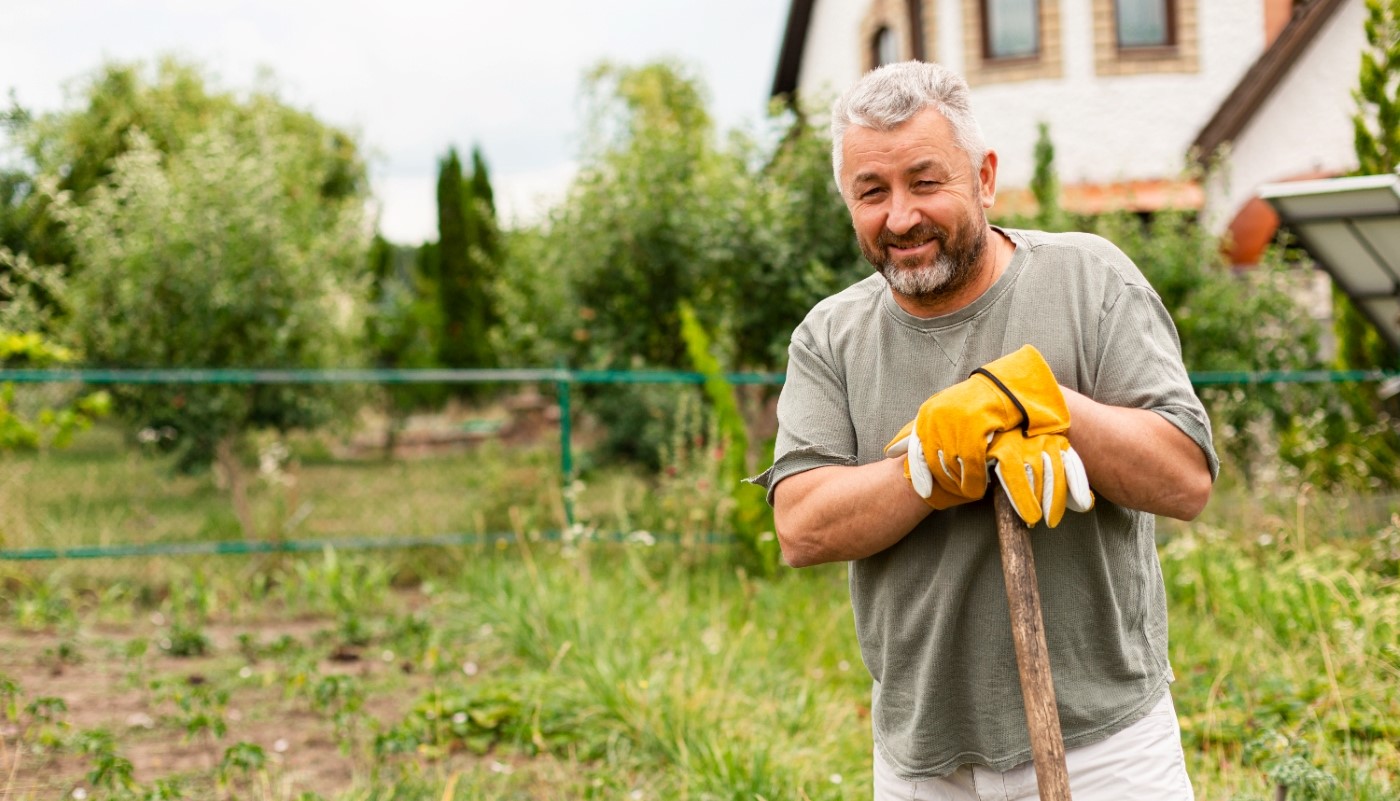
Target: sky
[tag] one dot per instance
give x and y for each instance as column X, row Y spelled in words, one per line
column 413, row 77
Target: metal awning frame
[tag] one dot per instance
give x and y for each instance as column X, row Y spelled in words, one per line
column 1313, row 211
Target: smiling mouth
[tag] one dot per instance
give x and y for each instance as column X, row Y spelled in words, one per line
column 911, row 246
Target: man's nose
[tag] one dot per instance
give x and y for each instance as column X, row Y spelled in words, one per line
column 904, row 213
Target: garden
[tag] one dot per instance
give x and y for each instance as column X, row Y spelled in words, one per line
column 291, row 512
column 634, row 655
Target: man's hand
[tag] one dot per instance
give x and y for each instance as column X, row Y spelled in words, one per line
column 1051, row 477
column 1042, row 476
column 954, row 427
column 916, row 470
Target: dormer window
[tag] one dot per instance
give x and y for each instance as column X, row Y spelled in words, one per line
column 1010, row 29
column 1144, row 23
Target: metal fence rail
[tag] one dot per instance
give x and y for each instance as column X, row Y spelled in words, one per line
column 562, row 379
column 101, row 376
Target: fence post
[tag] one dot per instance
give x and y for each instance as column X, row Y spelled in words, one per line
column 566, row 451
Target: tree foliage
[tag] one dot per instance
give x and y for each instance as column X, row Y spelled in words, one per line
column 747, row 229
column 404, row 324
column 1376, row 129
column 466, row 256
column 41, row 417
column 170, row 103
column 224, row 253
column 663, row 211
column 1376, row 123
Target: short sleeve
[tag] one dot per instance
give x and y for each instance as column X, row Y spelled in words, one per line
column 1140, row 366
column 814, row 420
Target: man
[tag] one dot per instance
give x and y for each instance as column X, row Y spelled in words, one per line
column 930, row 355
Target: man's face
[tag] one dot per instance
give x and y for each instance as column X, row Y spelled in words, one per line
column 918, row 205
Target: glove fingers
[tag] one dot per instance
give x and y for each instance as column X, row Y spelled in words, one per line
column 1081, row 498
column 916, row 468
column 958, row 477
column 1018, row 481
column 1052, row 498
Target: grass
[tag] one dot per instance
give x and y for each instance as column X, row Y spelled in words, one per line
column 646, row 669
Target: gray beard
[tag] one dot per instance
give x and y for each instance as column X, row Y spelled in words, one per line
column 950, row 272
column 922, row 283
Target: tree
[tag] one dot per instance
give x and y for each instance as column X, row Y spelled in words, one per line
column 1376, row 124
column 484, row 254
column 465, row 254
column 170, row 103
column 404, row 321
column 748, row 230
column 215, row 255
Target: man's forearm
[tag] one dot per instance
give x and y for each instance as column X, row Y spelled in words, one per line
column 1136, row 458
column 834, row 514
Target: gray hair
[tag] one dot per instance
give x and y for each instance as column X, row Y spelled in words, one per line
column 894, row 94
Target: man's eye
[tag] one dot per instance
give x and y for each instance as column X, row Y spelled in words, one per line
column 872, row 192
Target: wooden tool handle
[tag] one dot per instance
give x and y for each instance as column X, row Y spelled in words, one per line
column 1032, row 657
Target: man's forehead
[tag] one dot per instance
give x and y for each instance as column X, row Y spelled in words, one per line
column 913, row 145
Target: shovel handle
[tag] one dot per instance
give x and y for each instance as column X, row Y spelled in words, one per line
column 1032, row 656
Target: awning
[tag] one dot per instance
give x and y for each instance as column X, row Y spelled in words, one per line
column 1351, row 228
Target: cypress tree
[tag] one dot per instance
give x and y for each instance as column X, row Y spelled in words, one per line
column 484, row 251
column 453, row 267
column 466, row 254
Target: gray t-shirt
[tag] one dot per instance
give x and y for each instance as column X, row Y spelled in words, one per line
column 930, row 611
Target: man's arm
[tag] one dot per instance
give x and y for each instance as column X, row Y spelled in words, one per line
column 1133, row 457
column 1136, row 458
column 839, row 513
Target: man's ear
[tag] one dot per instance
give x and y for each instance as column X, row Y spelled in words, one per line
column 987, row 179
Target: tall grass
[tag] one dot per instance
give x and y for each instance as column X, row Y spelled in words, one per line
column 650, row 668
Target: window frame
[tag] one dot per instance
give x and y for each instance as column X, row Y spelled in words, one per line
column 985, row 19
column 883, row 35
column 1172, row 36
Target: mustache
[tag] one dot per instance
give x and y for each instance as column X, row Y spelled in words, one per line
column 917, row 235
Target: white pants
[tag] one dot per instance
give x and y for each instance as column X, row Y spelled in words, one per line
column 1143, row 762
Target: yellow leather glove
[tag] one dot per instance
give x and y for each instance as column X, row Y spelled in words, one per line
column 933, row 495
column 954, row 427
column 1042, row 475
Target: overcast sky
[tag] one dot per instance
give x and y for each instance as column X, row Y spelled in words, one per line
column 413, row 76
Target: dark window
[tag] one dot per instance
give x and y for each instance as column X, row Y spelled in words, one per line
column 1144, row 23
column 885, row 47
column 1011, row 28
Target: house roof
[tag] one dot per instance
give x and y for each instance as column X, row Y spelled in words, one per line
column 794, row 41
column 1260, row 81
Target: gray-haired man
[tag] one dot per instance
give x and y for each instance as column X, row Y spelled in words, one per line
column 931, row 355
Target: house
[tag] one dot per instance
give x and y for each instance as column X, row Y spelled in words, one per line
column 1133, row 91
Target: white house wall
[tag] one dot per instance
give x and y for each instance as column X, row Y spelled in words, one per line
column 1305, row 124
column 1114, row 128
column 831, row 58
column 1105, row 129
